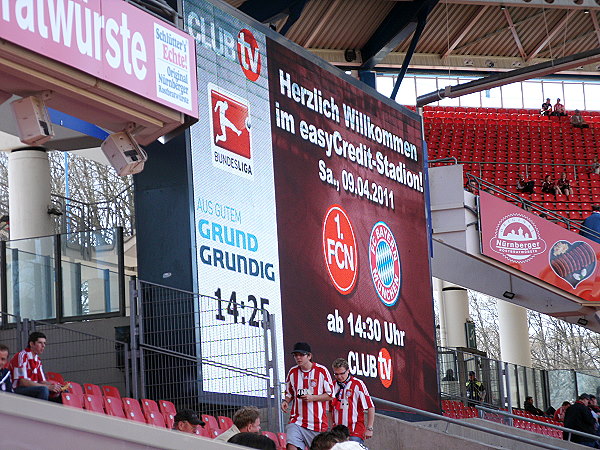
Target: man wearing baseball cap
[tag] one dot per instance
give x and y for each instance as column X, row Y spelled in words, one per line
column 187, row 421
column 308, row 389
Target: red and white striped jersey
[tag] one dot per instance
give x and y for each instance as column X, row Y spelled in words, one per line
column 349, row 404
column 316, row 381
column 26, row 365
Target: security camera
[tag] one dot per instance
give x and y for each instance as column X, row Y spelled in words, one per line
column 33, row 120
column 124, row 153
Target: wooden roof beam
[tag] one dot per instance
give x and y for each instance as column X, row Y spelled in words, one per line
column 467, row 26
column 513, row 30
column 557, row 28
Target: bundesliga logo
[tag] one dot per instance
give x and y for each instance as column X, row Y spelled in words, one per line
column 385, row 265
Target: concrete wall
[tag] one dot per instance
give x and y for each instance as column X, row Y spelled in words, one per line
column 44, row 425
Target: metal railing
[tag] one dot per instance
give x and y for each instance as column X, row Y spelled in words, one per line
column 465, row 424
column 188, row 353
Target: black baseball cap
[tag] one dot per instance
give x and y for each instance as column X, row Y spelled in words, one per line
column 584, row 397
column 301, row 347
column 471, row 373
column 187, row 415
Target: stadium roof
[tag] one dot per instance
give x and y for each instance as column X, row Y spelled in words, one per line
column 466, row 35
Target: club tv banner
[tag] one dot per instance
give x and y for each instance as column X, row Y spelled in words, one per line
column 539, row 248
column 309, row 200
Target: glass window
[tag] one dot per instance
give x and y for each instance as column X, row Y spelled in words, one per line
column 385, row 84
column 533, row 97
column 425, row 85
column 553, row 90
column 512, row 97
column 592, row 90
column 491, row 98
column 574, row 96
column 406, row 94
column 442, row 83
column 471, row 100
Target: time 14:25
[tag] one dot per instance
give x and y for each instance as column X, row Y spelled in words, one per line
column 237, row 311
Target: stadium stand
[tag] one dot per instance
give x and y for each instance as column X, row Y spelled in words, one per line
column 497, row 144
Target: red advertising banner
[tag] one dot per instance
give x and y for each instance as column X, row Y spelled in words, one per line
column 354, row 262
column 539, row 248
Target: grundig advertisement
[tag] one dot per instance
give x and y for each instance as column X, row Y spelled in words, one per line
column 309, row 201
column 539, row 248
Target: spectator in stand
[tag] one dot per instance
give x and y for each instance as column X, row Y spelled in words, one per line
column 5, row 380
column 530, row 408
column 578, row 417
column 27, row 372
column 595, row 166
column 449, row 375
column 524, row 186
column 546, row 108
column 592, row 223
column 593, row 405
column 559, row 109
column 549, row 186
column 560, row 412
column 245, row 420
column 351, row 399
column 325, row 441
column 187, row 421
column 253, row 440
column 342, row 432
column 308, row 389
column 578, row 121
column 564, row 185
column 475, row 389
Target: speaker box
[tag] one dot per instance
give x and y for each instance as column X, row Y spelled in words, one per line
column 33, row 120
column 124, row 153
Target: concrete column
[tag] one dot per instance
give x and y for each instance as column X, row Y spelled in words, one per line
column 514, row 334
column 29, row 193
column 32, row 291
column 454, row 312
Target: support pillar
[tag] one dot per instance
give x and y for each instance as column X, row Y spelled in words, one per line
column 454, row 312
column 514, row 334
column 31, row 294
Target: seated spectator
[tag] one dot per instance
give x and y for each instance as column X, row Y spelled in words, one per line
column 591, row 225
column 549, row 186
column 524, row 186
column 325, row 441
column 564, row 185
column 531, row 409
column 546, row 108
column 187, row 421
column 595, row 166
column 342, row 431
column 5, row 380
column 245, row 420
column 560, row 412
column 577, row 120
column 449, row 375
column 27, row 373
column 559, row 109
column 253, row 440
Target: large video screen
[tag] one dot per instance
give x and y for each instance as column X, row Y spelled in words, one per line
column 309, row 198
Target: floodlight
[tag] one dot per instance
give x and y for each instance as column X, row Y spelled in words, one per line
column 33, row 120
column 124, row 153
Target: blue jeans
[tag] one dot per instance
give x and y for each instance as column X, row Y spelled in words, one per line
column 356, row 439
column 40, row 392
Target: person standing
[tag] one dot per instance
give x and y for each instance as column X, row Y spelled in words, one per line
column 475, row 389
column 27, row 372
column 578, row 417
column 351, row 399
column 308, row 389
column 591, row 225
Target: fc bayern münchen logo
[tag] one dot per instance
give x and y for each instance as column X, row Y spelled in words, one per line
column 384, row 259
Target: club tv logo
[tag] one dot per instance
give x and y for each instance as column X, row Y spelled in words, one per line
column 249, row 54
column 230, row 126
column 384, row 260
column 517, row 239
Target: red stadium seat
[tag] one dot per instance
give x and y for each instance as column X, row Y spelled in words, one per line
column 111, row 391
column 75, row 388
column 156, row 419
column 282, row 439
column 73, row 400
column 224, row 422
column 169, row 420
column 166, row 407
column 204, row 432
column 149, row 406
column 132, row 410
column 93, row 403
column 214, row 433
column 210, row 421
column 92, row 389
column 53, row 376
column 114, row 407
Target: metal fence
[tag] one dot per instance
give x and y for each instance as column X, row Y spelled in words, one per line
column 190, row 354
